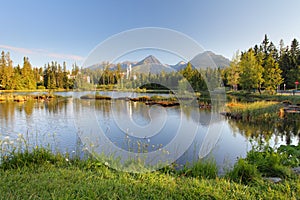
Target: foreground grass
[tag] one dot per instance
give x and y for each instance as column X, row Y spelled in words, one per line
column 51, row 182
column 42, row 175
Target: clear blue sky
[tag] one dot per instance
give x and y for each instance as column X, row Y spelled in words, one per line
column 68, row 30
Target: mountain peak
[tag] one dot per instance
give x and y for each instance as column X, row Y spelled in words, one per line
column 181, row 63
column 149, row 60
column 209, row 59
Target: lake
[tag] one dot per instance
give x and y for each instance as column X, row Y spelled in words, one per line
column 181, row 133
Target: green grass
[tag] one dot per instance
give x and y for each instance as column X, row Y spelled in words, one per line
column 243, row 96
column 76, row 183
column 39, row 174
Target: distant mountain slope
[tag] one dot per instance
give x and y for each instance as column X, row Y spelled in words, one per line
column 152, row 65
column 209, row 59
column 152, row 68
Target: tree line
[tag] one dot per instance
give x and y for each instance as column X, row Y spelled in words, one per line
column 264, row 67
column 56, row 76
column 52, row 76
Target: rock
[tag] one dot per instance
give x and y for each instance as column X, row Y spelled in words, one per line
column 273, row 179
column 296, row 170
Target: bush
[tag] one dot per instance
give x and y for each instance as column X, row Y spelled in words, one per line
column 291, row 153
column 269, row 162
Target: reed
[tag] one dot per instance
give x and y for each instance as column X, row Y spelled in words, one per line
column 256, row 111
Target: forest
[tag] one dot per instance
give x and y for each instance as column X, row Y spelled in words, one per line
column 56, row 76
column 262, row 67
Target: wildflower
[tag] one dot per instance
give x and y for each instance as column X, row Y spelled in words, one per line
column 85, row 149
column 6, row 138
column 67, row 159
column 106, row 163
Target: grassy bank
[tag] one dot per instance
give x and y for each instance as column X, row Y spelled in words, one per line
column 40, row 174
column 242, row 96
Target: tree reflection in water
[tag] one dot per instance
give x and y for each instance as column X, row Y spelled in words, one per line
column 285, row 128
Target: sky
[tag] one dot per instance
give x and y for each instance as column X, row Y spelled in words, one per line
column 68, row 30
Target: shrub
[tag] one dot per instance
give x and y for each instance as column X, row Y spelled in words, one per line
column 269, row 162
column 291, row 153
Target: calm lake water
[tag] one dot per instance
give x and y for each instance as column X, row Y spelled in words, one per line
column 67, row 124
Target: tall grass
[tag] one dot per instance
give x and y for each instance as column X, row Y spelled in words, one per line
column 201, row 169
column 38, row 173
column 256, row 111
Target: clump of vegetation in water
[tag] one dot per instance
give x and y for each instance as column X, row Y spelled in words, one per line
column 141, row 98
column 23, row 98
column 256, row 111
column 96, row 96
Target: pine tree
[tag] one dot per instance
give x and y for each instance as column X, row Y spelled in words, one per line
column 233, row 72
column 18, row 78
column 272, row 74
column 251, row 72
column 28, row 80
column 6, row 72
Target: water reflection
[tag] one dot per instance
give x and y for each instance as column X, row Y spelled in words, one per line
column 41, row 122
column 286, row 129
column 57, row 117
column 7, row 112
